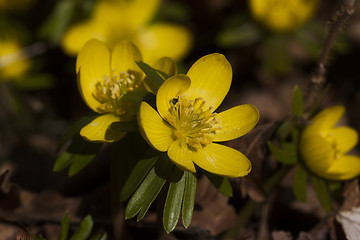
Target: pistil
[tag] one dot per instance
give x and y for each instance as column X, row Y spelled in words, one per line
column 192, row 122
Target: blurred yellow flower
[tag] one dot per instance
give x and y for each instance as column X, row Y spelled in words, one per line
column 115, row 20
column 13, row 62
column 282, row 15
column 186, row 126
column 324, row 147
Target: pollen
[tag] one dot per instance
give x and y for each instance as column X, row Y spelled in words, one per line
column 192, row 122
column 111, row 89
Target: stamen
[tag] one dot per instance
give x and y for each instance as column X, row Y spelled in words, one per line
column 111, row 89
column 192, row 123
column 333, row 142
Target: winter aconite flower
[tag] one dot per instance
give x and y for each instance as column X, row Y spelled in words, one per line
column 186, row 126
column 115, row 20
column 13, row 62
column 110, row 84
column 282, row 15
column 324, row 146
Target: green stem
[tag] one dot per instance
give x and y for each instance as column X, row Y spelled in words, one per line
column 117, row 208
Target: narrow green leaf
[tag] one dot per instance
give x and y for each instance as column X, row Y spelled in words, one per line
column 299, row 184
column 74, row 129
column 99, row 236
column 58, row 21
column 79, row 154
column 65, row 223
column 85, row 229
column 64, row 160
column 239, row 36
column 152, row 74
column 39, row 237
column 322, row 192
column 222, row 184
column 285, row 129
column 174, row 200
column 139, row 172
column 189, row 198
column 149, row 188
column 295, row 136
column 286, row 154
column 297, row 102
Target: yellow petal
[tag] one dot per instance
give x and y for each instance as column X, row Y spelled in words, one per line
column 99, row 129
column 77, row 35
column 142, row 11
column 154, row 129
column 163, row 39
column 345, row 137
column 124, row 57
column 119, row 13
column 222, row 160
column 317, row 153
column 210, row 79
column 236, row 122
column 327, row 118
column 345, row 168
column 92, row 64
column 165, row 65
column 180, row 154
column 169, row 90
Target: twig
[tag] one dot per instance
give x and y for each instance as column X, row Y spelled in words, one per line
column 318, row 79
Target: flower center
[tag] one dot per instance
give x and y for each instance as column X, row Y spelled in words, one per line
column 111, row 89
column 192, row 123
column 333, row 142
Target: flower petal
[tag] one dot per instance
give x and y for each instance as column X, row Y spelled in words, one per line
column 77, row 35
column 154, row 129
column 142, row 11
column 124, row 57
column 92, row 63
column 236, row 122
column 163, row 39
column 327, row 118
column 344, row 168
column 222, row 160
column 317, row 152
column 180, row 154
column 99, row 129
column 211, row 78
column 165, row 65
column 346, row 138
column 169, row 90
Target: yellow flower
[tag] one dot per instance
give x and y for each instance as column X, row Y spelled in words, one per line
column 186, row 126
column 324, row 147
column 282, row 15
column 110, row 84
column 13, row 63
column 115, row 20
